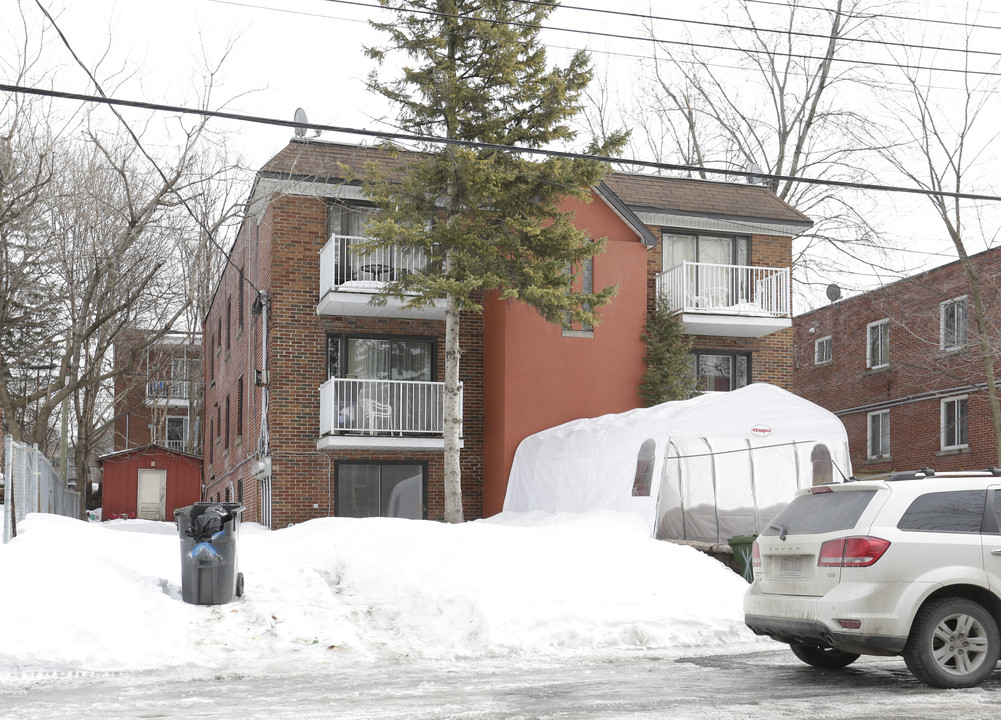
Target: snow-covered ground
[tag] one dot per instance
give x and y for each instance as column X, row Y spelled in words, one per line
column 81, row 597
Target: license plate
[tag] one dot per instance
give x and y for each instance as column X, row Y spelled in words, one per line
column 790, row 567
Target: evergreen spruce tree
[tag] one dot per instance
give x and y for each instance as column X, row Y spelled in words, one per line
column 487, row 220
column 668, row 360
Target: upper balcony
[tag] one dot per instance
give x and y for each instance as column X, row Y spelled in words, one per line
column 351, row 275
column 728, row 300
column 169, row 393
column 388, row 414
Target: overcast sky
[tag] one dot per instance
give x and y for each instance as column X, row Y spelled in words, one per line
column 309, row 54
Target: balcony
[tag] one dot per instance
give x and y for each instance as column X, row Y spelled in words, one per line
column 728, row 300
column 389, row 414
column 351, row 275
column 168, row 393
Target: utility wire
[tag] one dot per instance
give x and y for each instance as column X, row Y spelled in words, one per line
column 112, row 105
column 384, row 135
column 752, row 28
column 874, row 16
column 682, row 43
column 609, row 53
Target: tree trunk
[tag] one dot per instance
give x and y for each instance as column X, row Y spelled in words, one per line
column 452, row 411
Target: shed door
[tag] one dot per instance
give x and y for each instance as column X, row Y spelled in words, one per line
column 152, row 494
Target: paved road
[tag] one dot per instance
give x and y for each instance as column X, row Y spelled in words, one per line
column 720, row 686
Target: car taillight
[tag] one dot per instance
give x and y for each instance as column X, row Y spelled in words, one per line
column 852, row 552
column 755, row 555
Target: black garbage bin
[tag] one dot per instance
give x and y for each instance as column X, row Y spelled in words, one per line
column 209, row 533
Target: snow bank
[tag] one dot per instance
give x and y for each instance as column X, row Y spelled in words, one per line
column 86, row 596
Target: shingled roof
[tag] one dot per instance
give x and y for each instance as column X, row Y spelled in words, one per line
column 702, row 197
column 322, row 161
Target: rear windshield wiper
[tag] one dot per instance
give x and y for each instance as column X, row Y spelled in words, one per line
column 781, row 529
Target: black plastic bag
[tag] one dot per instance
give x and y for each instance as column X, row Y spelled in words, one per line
column 211, row 521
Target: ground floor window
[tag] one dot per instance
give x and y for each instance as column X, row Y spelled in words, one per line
column 721, row 371
column 954, row 425
column 879, row 434
column 381, row 490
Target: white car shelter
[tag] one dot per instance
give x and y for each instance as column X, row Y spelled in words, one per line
column 705, row 469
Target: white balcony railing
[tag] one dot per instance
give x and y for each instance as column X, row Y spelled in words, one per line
column 381, row 407
column 159, row 391
column 344, row 261
column 726, row 289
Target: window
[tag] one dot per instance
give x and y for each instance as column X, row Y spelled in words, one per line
column 347, row 220
column 820, row 513
column 229, row 322
column 239, row 406
column 211, row 438
column 643, row 480
column 954, row 423
column 954, row 512
column 239, row 491
column 587, row 288
column 381, row 490
column 823, row 465
column 953, row 324
column 721, row 372
column 822, row 351
column 879, row 435
column 370, row 358
column 177, row 433
column 710, row 249
column 225, row 438
column 711, row 282
column 240, row 301
column 878, row 344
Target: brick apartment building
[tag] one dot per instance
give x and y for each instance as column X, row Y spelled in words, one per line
column 319, row 403
column 900, row 367
column 160, row 402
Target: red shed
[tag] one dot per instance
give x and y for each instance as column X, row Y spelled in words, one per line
column 149, row 482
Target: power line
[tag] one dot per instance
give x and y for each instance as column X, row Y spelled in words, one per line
column 112, row 106
column 874, row 16
column 682, row 43
column 752, row 28
column 610, row 53
column 406, row 137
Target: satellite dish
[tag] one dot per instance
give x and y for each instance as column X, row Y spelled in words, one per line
column 300, row 122
column 833, row 292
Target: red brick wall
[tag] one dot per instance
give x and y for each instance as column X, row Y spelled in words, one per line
column 918, row 376
column 285, row 261
column 771, row 355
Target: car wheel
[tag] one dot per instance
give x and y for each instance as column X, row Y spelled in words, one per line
column 954, row 643
column 239, row 584
column 823, row 657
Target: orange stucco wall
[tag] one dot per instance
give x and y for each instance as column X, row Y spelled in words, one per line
column 537, row 378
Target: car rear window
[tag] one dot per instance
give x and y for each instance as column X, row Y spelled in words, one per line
column 958, row 511
column 820, row 513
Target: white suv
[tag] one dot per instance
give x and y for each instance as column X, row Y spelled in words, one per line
column 909, row 565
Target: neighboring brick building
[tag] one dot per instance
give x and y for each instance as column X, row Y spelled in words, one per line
column 901, row 367
column 352, row 390
column 160, row 402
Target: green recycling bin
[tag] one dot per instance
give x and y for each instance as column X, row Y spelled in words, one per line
column 741, row 545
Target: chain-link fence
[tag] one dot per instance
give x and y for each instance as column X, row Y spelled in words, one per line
column 32, row 485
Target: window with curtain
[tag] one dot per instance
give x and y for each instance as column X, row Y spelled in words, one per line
column 380, row 358
column 380, row 490
column 712, row 249
column 721, row 371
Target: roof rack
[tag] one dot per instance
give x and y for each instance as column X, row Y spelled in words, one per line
column 912, row 474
